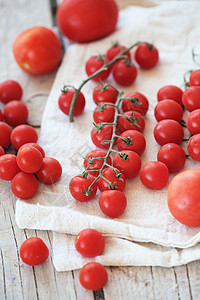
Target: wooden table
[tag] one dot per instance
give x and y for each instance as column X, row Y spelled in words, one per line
column 19, row 281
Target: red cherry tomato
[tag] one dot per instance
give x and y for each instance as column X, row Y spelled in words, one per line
column 93, row 64
column 10, row 90
column 85, row 21
column 1, row 116
column 193, row 122
column 23, row 134
column 193, row 147
column 93, row 276
column 112, row 203
column 183, row 197
column 113, row 51
column 104, row 93
column 79, row 185
column 24, row 185
column 142, row 107
column 33, row 251
column 170, row 92
column 132, row 120
column 132, row 140
column 36, row 146
column 37, row 50
column 194, row 79
column 50, row 171
column 2, row 152
column 15, row 113
column 168, row 109
column 65, row 101
column 89, row 242
column 128, row 162
column 168, row 131
column 124, row 72
column 5, row 134
column 146, row 55
column 29, row 159
column 104, row 114
column 116, row 180
column 95, row 164
column 173, row 156
column 8, row 166
column 154, row 175
column 99, row 136
column 191, row 98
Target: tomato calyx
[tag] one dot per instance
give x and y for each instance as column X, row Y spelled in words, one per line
column 127, row 62
column 132, row 120
column 133, row 100
column 124, row 156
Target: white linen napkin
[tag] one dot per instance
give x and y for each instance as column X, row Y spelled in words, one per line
column 174, row 32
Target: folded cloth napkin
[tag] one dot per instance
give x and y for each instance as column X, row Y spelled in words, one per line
column 174, row 32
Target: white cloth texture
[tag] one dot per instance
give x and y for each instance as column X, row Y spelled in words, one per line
column 174, row 29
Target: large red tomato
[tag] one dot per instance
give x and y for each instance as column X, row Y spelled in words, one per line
column 85, row 21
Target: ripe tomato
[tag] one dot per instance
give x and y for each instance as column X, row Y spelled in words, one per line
column 154, row 175
column 194, row 79
column 10, row 90
column 117, row 181
column 5, row 134
column 191, row 98
column 93, row 276
column 79, row 185
column 128, row 105
column 193, row 147
column 85, row 21
column 173, row 156
column 89, row 242
column 24, row 185
column 8, row 166
column 15, row 113
column 168, row 109
column 23, row 134
column 1, row 115
column 93, row 64
column 128, row 162
column 124, row 72
column 146, row 55
column 104, row 93
column 33, row 251
column 112, row 203
column 183, row 197
column 168, row 131
column 37, row 50
column 65, row 100
column 2, row 152
column 170, row 92
column 95, row 164
column 193, row 122
column 99, row 136
column 132, row 140
column 34, row 145
column 50, row 171
column 132, row 120
column 29, row 159
column 104, row 114
column 113, row 51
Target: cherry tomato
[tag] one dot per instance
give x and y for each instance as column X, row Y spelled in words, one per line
column 146, row 55
column 95, row 164
column 183, row 197
column 8, row 166
column 50, row 171
column 99, row 136
column 79, row 185
column 5, row 134
column 10, row 90
column 142, row 107
column 104, row 114
column 170, row 92
column 193, row 147
column 154, row 175
column 132, row 120
column 2, row 152
column 1, row 116
column 23, row 134
column 33, row 251
column 93, row 64
column 85, row 21
column 113, row 51
column 193, row 122
column 173, row 156
column 117, row 181
column 128, row 162
column 29, row 159
column 36, row 146
column 191, row 98
column 104, row 93
column 168, row 109
column 124, row 72
column 24, row 185
column 15, row 113
column 65, row 100
column 93, row 276
column 168, row 131
column 132, row 140
column 112, row 203
column 37, row 50
column 194, row 79
column 89, row 242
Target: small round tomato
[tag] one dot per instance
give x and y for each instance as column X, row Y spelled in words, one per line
column 89, row 242
column 193, row 147
column 29, row 159
column 146, row 55
column 99, row 136
column 65, row 100
column 154, row 175
column 170, row 92
column 10, row 90
column 93, row 64
column 132, row 120
column 173, row 156
column 23, row 134
column 1, row 115
column 128, row 162
column 36, row 146
column 138, row 103
column 183, row 197
column 37, row 50
column 168, row 109
column 8, row 167
column 93, row 276
column 5, row 134
column 124, row 72
column 104, row 113
column 132, row 140
column 193, row 122
column 191, row 98
column 168, row 131
column 104, row 93
column 112, row 203
column 33, row 251
column 116, row 179
column 95, row 164
column 113, row 51
column 79, row 185
column 50, row 171
column 24, row 185
column 194, row 79
column 15, row 113
column 2, row 152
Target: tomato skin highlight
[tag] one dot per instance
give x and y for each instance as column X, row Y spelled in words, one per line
column 10, row 90
column 112, row 203
column 93, row 276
